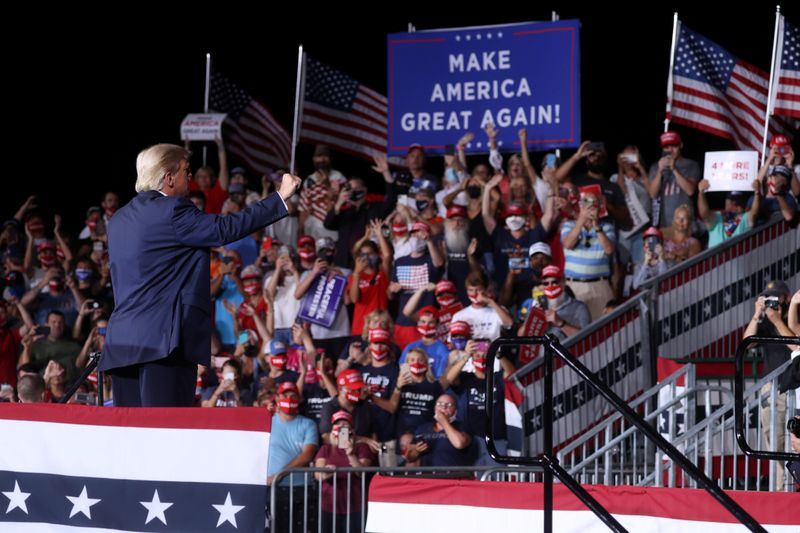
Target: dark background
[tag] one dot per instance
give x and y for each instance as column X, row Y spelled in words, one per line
column 86, row 91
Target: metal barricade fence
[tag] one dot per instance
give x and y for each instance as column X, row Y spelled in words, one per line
column 303, row 507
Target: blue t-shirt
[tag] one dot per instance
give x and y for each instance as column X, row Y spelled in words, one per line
column 416, row 407
column 381, row 382
column 413, row 273
column 505, row 245
column 437, row 355
column 471, row 392
column 222, row 318
column 440, row 451
column 286, row 441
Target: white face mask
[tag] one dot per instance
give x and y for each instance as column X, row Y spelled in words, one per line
column 515, row 223
column 418, row 245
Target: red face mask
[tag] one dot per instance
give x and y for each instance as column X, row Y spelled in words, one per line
column 418, row 369
column 379, row 351
column 352, row 397
column 427, row 331
column 446, row 300
column 278, row 361
column 110, row 211
column 479, row 364
column 47, row 260
column 289, row 406
column 92, row 224
column 399, row 230
column 55, row 285
column 553, row 291
column 307, row 255
column 251, row 288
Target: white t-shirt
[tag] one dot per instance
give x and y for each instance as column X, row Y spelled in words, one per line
column 286, row 305
column 485, row 322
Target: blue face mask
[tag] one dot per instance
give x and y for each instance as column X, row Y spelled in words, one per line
column 101, row 331
column 422, row 205
column 459, row 343
column 83, row 274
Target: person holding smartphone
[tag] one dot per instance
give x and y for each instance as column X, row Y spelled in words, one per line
column 673, row 179
column 341, row 450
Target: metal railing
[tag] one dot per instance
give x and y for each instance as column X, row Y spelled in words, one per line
column 303, row 507
column 552, row 350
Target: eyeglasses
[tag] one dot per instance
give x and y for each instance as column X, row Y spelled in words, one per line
column 445, row 404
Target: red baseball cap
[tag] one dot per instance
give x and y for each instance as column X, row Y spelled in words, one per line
column 669, row 138
column 779, row 140
column 456, row 211
column 460, row 328
column 429, row 310
column 288, row 386
column 515, row 210
column 342, row 415
column 551, row 271
column 350, row 378
column 445, row 286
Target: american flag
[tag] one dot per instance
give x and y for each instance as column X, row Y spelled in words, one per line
column 786, row 81
column 256, row 139
column 78, row 468
column 715, row 92
column 342, row 113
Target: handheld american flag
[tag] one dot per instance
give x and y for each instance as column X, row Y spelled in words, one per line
column 786, row 78
column 257, row 139
column 715, row 92
column 341, row 112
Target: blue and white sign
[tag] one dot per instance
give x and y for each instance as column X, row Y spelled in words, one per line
column 445, row 83
column 322, row 300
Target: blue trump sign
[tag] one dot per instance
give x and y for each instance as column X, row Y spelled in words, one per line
column 445, row 83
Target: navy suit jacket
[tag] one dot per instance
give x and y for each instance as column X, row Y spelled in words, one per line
column 158, row 248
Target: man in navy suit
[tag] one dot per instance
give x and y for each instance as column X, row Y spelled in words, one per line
column 158, row 246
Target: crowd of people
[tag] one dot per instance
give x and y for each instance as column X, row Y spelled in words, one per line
column 418, row 280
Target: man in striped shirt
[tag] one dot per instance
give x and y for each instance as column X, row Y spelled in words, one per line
column 588, row 247
column 319, row 194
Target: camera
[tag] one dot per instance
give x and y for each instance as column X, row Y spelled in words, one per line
column 772, row 302
column 793, row 425
column 518, row 263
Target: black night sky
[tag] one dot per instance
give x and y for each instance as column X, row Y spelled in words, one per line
column 85, row 91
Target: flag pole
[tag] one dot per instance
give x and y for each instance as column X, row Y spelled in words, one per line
column 300, row 90
column 554, row 17
column 772, row 75
column 205, row 98
column 675, row 29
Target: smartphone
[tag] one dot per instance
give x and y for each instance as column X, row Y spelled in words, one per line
column 86, row 398
column 228, row 376
column 550, row 160
column 227, row 259
column 102, row 331
column 519, row 263
column 4, row 387
column 98, row 246
column 630, row 158
column 482, row 345
column 344, row 436
column 96, row 305
column 596, row 147
column 244, row 337
column 42, row 330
